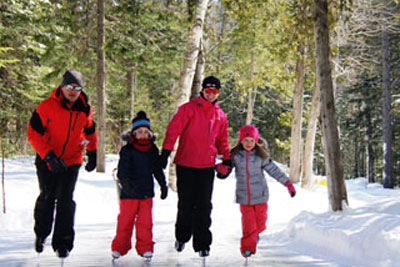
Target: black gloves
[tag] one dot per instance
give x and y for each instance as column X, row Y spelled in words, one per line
column 164, row 158
column 127, row 187
column 92, row 160
column 164, row 192
column 56, row 164
column 227, row 162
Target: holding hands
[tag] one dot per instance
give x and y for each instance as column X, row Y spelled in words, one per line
column 224, row 169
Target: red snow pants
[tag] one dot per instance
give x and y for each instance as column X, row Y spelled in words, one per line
column 254, row 219
column 136, row 212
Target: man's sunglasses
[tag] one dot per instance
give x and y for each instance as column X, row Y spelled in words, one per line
column 215, row 91
column 76, row 88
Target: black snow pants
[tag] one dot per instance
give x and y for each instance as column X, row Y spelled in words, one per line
column 195, row 188
column 56, row 193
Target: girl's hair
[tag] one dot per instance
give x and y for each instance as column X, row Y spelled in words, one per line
column 261, row 148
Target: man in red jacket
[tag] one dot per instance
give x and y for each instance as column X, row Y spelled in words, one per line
column 202, row 129
column 59, row 129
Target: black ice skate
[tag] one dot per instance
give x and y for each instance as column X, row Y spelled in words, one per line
column 39, row 244
column 204, row 253
column 62, row 253
column 179, row 246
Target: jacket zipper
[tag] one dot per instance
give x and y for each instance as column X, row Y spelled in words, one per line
column 69, row 131
column 76, row 119
column 248, row 177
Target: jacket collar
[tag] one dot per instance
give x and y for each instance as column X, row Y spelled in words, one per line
column 243, row 153
column 205, row 104
column 81, row 103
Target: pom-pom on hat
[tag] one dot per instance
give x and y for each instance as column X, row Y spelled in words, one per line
column 140, row 120
column 211, row 82
column 73, row 76
column 248, row 131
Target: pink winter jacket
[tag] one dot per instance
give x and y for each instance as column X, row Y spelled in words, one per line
column 202, row 129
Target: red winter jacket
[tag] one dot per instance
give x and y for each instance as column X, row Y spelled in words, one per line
column 57, row 126
column 203, row 133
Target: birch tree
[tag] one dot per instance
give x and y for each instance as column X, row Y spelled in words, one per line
column 302, row 16
column 308, row 157
column 183, row 90
column 251, row 94
column 198, row 76
column 192, row 50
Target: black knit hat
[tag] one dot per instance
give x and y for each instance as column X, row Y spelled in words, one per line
column 140, row 120
column 211, row 82
column 73, row 76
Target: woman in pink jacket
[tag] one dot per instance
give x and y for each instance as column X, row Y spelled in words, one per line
column 202, row 129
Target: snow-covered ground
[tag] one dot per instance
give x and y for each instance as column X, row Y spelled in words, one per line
column 301, row 231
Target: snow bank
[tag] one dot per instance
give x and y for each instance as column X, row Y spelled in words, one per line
column 365, row 236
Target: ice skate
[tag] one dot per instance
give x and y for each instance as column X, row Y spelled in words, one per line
column 204, row 253
column 115, row 255
column 179, row 246
column 39, row 244
column 147, row 255
column 62, row 253
column 247, row 253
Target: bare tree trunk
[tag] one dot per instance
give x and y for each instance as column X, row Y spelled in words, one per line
column 250, row 105
column 356, row 157
column 2, row 175
column 330, row 137
column 308, row 158
column 297, row 142
column 101, row 105
column 198, row 75
column 131, row 90
column 21, row 130
column 362, row 164
column 189, row 67
column 370, row 152
column 387, row 123
column 252, row 93
column 222, row 14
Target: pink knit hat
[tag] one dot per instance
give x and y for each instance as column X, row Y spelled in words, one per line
column 248, row 131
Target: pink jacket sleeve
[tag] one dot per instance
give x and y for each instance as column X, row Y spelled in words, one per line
column 176, row 126
column 222, row 140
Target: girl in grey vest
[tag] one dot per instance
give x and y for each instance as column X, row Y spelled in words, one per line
column 250, row 159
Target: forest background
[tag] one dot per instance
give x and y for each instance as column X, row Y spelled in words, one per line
column 262, row 51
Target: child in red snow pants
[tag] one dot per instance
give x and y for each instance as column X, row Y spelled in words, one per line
column 254, row 219
column 134, row 212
